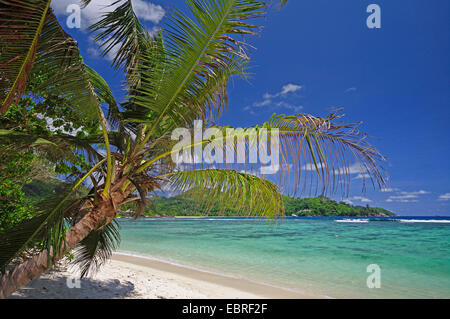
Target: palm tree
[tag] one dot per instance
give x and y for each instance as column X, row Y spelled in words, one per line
column 173, row 78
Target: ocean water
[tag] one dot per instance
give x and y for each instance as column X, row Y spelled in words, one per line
column 320, row 255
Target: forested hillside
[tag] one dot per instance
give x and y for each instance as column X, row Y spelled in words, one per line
column 317, row 206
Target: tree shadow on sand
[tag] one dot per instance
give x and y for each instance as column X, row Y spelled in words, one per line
column 57, row 286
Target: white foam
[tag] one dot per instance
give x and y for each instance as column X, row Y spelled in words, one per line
column 424, row 221
column 352, row 220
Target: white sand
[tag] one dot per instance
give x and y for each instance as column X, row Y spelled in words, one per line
column 133, row 277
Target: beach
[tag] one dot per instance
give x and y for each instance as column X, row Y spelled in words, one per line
column 126, row 276
column 241, row 258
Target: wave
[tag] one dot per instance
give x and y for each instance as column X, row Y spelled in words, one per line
column 352, row 221
column 424, row 221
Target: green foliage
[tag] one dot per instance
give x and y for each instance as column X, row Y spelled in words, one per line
column 229, row 189
column 322, row 206
column 14, row 206
column 97, row 248
column 40, row 190
column 172, row 78
column 20, row 30
column 25, row 128
column 184, row 205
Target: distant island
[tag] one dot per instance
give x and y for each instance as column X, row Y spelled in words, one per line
column 182, row 205
column 316, row 206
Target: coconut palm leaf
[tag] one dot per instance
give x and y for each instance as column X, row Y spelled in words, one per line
column 184, row 76
column 312, row 151
column 86, row 2
column 48, row 227
column 55, row 147
column 120, row 31
column 16, row 239
column 326, row 147
column 45, row 51
column 152, row 64
column 62, row 72
column 104, row 94
column 229, row 188
column 22, row 20
column 197, row 50
column 95, row 249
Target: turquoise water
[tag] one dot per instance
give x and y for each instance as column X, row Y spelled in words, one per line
column 322, row 256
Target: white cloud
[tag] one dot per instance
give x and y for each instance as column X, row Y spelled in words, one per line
column 249, row 109
column 402, row 200
column 54, row 128
column 312, row 167
column 389, row 190
column 355, row 168
column 403, row 196
column 262, row 103
column 352, row 89
column 362, row 176
column 361, row 199
column 286, row 89
column 267, row 96
column 407, row 197
column 290, row 88
column 272, row 168
column 420, row 192
column 148, row 11
column 295, row 108
column 281, row 104
column 251, row 172
column 93, row 51
column 144, row 10
column 444, row 197
column 268, row 99
column 347, row 201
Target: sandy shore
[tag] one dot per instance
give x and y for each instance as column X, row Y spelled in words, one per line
column 135, row 277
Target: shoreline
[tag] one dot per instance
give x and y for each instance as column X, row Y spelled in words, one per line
column 240, row 285
column 127, row 276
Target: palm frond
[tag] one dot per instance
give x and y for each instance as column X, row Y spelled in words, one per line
column 62, row 71
column 104, row 95
column 95, row 249
column 311, row 151
column 121, row 31
column 141, row 201
column 44, row 50
column 85, row 3
column 199, row 52
column 326, row 147
column 136, row 52
column 55, row 147
column 21, row 23
column 229, row 188
column 47, row 228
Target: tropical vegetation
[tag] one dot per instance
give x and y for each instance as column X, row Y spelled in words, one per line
column 184, row 205
column 124, row 150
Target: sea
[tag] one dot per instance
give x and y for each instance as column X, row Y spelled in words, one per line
column 401, row 257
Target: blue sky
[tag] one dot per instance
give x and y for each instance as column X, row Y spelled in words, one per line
column 314, row 56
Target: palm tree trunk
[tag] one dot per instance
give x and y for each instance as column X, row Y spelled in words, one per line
column 104, row 212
